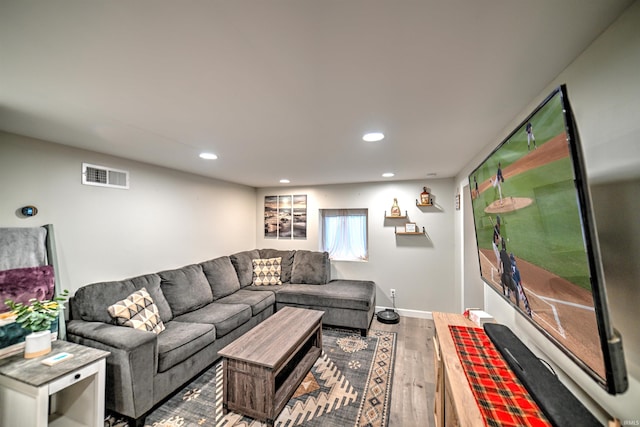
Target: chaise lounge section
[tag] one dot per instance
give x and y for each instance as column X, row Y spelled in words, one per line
column 194, row 311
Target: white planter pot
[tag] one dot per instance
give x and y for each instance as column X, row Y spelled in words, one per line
column 37, row 344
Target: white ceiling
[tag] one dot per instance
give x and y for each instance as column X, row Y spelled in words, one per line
column 285, row 89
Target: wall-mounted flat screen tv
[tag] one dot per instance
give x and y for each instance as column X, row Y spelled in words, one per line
column 537, row 243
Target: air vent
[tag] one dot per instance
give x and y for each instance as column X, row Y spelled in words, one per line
column 103, row 176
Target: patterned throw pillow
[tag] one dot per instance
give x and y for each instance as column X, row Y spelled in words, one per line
column 266, row 271
column 137, row 311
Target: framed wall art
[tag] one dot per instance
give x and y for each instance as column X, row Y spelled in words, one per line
column 285, row 216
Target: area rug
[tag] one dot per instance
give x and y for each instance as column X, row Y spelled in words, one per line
column 349, row 385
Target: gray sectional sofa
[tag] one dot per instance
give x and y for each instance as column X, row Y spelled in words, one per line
column 202, row 308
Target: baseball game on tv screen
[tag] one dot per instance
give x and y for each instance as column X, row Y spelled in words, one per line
column 536, row 239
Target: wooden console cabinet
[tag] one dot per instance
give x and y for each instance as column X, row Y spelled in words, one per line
column 455, row 404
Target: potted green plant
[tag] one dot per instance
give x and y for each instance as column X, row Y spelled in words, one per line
column 37, row 316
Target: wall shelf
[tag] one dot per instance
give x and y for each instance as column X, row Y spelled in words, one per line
column 411, row 233
column 423, row 204
column 405, row 216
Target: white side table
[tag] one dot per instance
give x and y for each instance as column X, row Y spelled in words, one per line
column 68, row 394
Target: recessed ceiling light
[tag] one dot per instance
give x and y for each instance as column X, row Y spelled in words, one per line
column 373, row 136
column 284, row 181
column 208, row 156
column 388, row 174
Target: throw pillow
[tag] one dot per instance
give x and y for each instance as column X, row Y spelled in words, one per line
column 285, row 265
column 311, row 267
column 221, row 276
column 266, row 271
column 186, row 289
column 137, row 311
column 242, row 263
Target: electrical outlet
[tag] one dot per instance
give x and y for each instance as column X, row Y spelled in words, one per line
column 393, row 293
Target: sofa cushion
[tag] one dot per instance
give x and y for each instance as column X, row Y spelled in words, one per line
column 266, row 271
column 221, row 276
column 285, row 264
column 225, row 317
column 258, row 300
column 90, row 302
column 137, row 311
column 185, row 288
column 271, row 288
column 358, row 295
column 244, row 267
column 179, row 341
column 310, row 267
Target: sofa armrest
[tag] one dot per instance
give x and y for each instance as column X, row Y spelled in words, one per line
column 130, row 367
column 119, row 337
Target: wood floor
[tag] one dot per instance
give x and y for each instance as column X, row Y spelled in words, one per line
column 413, row 387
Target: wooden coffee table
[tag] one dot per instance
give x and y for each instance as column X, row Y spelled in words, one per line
column 263, row 368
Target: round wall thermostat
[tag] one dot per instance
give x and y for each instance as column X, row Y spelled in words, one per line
column 29, row 211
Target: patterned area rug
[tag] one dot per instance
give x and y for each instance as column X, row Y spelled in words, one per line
column 349, row 385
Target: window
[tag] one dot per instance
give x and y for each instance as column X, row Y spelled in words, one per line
column 344, row 234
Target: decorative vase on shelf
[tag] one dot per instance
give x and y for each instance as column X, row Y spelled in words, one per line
column 395, row 209
column 37, row 344
column 424, row 197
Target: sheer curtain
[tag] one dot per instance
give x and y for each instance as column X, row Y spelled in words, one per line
column 344, row 234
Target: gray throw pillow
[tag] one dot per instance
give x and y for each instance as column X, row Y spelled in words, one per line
column 186, row 289
column 221, row 276
column 310, row 267
column 242, row 262
column 286, row 263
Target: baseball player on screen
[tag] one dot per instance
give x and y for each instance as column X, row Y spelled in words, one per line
column 530, row 137
column 515, row 274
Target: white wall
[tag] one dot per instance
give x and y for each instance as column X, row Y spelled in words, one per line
column 166, row 219
column 604, row 91
column 420, row 268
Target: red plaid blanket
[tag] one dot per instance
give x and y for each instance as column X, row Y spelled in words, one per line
column 501, row 397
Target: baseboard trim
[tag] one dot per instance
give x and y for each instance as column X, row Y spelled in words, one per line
column 409, row 313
